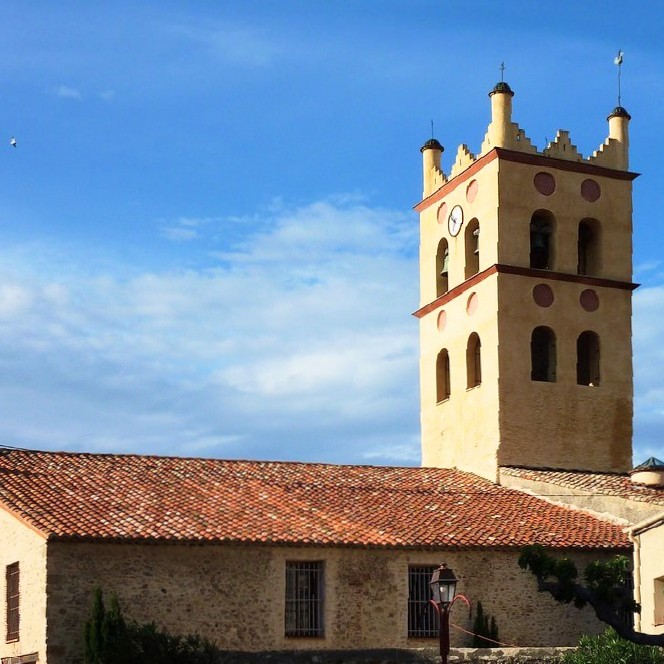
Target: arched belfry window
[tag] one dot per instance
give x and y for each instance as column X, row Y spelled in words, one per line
column 543, row 355
column 587, row 359
column 474, row 361
column 542, row 225
column 442, row 268
column 443, row 387
column 472, row 246
column 588, row 246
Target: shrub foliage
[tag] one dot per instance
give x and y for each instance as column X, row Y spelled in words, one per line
column 109, row 639
column 609, row 648
column 603, row 587
column 485, row 629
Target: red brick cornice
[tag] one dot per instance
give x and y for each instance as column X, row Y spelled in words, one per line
column 522, row 158
column 456, row 291
column 564, row 165
column 545, row 275
column 452, row 184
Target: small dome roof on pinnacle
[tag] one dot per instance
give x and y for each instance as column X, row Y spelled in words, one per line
column 651, row 464
column 432, row 144
column 620, row 112
column 501, row 86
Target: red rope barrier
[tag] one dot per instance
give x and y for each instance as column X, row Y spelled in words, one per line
column 486, row 638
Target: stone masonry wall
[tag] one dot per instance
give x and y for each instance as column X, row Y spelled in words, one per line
column 393, row 656
column 234, row 595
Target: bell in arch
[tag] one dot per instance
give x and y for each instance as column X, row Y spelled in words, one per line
column 446, row 263
column 476, row 235
column 539, row 241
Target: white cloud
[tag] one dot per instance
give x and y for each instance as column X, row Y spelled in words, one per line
column 179, row 234
column 648, row 362
column 299, row 345
column 187, row 228
column 647, row 266
column 65, row 92
column 233, row 44
column 406, row 453
column 107, row 95
column 15, row 300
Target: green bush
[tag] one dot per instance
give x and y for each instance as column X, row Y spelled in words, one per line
column 111, row 640
column 609, row 648
column 485, row 629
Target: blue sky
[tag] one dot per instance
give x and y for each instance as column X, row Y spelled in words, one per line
column 207, row 243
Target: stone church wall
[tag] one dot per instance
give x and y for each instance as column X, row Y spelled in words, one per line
column 234, row 595
column 410, row 656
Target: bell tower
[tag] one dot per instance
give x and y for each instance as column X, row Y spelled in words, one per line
column 525, row 302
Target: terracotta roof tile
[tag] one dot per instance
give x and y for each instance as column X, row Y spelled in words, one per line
column 583, row 482
column 147, row 498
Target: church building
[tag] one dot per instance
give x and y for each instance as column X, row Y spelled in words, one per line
column 526, row 414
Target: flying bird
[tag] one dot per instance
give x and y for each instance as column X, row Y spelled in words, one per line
column 12, row 142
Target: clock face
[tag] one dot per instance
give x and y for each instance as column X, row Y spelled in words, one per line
column 455, row 220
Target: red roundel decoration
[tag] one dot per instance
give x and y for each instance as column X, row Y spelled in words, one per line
column 471, row 191
column 471, row 305
column 590, row 190
column 545, row 183
column 543, row 295
column 442, row 214
column 589, row 300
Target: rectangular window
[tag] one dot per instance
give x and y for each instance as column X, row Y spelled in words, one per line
column 422, row 618
column 12, row 602
column 659, row 601
column 304, row 598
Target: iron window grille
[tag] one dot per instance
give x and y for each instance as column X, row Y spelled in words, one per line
column 422, row 619
column 304, row 599
column 13, row 616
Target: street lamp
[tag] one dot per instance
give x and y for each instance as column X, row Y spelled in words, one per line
column 443, row 588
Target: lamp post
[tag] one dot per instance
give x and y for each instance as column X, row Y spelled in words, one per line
column 443, row 588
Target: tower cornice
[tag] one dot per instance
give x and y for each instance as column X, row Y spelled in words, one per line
column 522, row 158
column 543, row 275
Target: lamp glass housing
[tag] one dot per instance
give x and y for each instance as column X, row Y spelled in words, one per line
column 443, row 585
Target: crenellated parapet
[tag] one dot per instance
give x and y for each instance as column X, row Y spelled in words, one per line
column 464, row 159
column 562, row 148
column 503, row 133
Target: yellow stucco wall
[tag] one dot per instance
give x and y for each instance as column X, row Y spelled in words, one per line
column 519, row 199
column 235, row 595
column 20, row 544
column 561, row 424
column 649, row 576
column 462, row 431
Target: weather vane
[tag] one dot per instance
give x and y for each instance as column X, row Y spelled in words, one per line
column 618, row 60
column 502, row 72
column 431, row 128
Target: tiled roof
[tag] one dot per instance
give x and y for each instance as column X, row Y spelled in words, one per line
column 583, row 482
column 148, row 498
